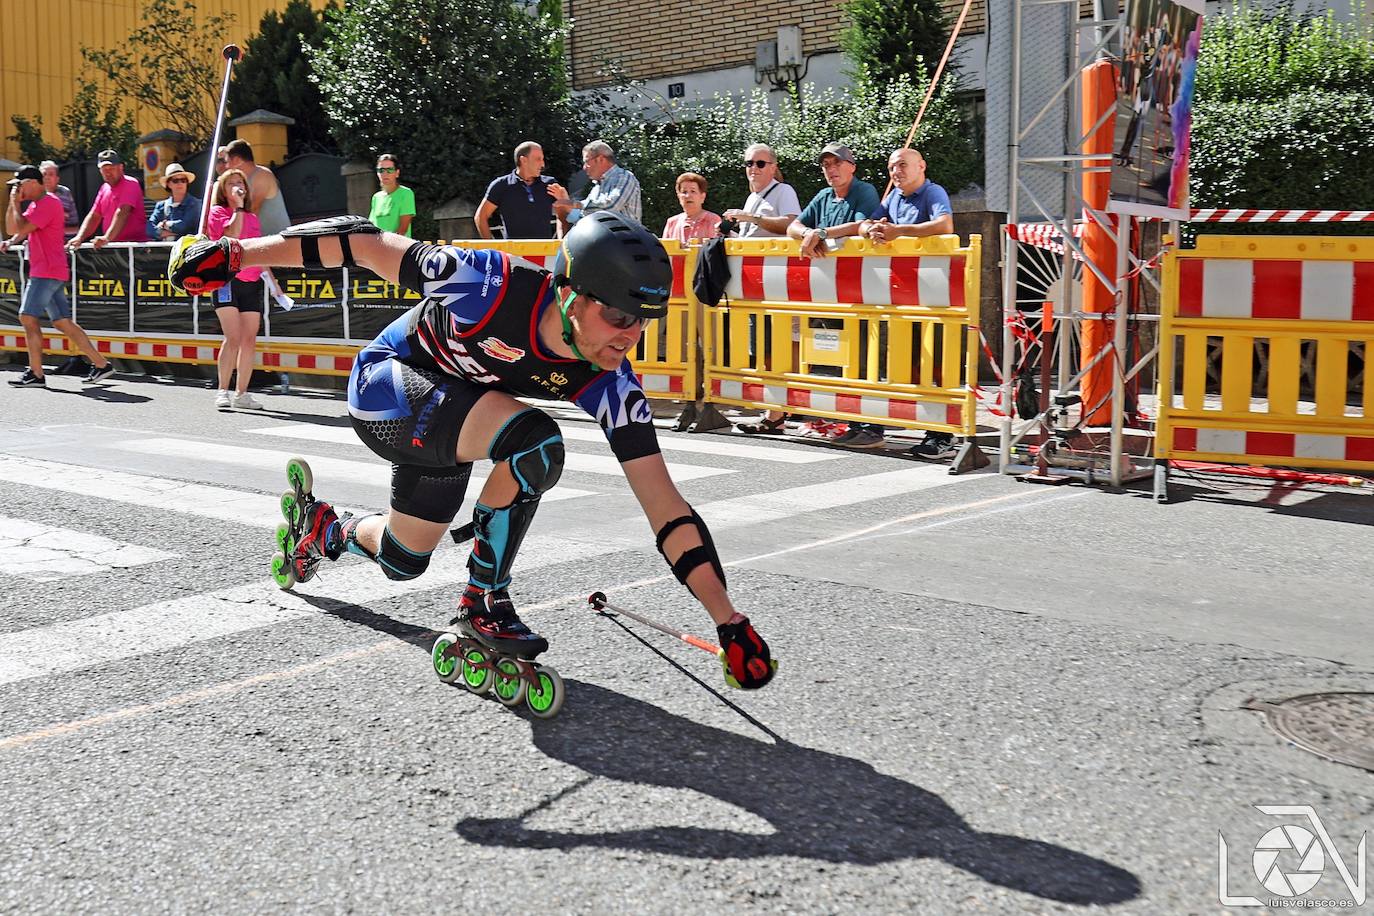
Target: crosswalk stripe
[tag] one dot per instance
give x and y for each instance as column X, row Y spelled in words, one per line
column 374, row 473
column 713, row 445
column 165, row 625
column 46, row 553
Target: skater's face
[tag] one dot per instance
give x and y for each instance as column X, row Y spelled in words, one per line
column 603, row 334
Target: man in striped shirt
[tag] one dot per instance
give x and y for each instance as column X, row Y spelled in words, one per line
column 612, row 188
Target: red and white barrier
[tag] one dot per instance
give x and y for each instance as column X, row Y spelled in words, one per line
column 870, row 406
column 926, row 280
column 1296, row 446
column 1311, row 290
column 1236, row 215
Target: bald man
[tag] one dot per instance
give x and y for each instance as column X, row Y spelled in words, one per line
column 915, row 206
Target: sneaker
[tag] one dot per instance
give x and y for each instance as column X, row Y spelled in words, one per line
column 847, row 436
column 246, row 401
column 764, row 427
column 490, row 618
column 28, row 378
column 98, row 374
column 863, row 438
column 222, row 401
column 935, row 445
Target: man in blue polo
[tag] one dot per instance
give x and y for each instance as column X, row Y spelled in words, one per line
column 915, row 207
column 523, row 199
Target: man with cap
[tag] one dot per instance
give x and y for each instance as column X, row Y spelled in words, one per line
column 845, row 199
column 118, row 208
column 179, row 214
column 34, row 214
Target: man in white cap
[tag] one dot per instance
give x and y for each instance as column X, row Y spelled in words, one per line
column 178, row 214
column 34, row 214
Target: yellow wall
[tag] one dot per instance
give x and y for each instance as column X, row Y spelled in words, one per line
column 41, row 58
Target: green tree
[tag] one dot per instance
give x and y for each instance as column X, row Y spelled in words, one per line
column 449, row 88
column 275, row 74
column 891, row 39
column 88, row 125
column 168, row 65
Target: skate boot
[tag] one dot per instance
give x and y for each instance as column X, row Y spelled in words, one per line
column 310, row 533
column 492, row 650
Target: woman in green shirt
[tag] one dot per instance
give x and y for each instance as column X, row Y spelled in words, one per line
column 393, row 207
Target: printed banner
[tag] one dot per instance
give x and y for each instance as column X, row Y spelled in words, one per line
column 317, row 309
column 101, row 288
column 9, row 288
column 159, row 308
column 373, row 303
column 1154, row 111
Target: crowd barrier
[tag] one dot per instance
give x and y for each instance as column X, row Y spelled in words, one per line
column 1300, row 307
column 885, row 334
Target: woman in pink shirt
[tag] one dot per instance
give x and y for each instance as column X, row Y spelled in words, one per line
column 693, row 222
column 239, row 303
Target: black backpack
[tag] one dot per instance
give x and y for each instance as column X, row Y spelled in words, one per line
column 713, row 272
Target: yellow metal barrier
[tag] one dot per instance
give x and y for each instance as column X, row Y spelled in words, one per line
column 1257, row 339
column 885, row 333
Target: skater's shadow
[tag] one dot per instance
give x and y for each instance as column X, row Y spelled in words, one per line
column 821, row 805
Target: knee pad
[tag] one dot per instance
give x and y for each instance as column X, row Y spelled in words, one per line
column 692, row 557
column 433, row 494
column 399, row 562
column 339, row 227
column 532, row 444
column 497, row 535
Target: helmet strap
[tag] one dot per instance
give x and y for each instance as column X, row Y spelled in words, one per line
column 564, row 306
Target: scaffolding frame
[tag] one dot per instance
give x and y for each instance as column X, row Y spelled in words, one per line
column 1050, row 466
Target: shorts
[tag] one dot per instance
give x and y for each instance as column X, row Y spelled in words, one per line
column 244, row 295
column 426, row 411
column 44, row 296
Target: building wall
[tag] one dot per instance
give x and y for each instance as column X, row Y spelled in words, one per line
column 40, row 60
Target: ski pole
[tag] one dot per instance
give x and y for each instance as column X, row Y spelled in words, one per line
column 231, row 54
column 601, row 605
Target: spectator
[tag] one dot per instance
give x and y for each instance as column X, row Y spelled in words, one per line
column 772, row 204
column 268, row 206
column 41, row 223
column 178, row 214
column 239, row 303
column 844, row 200
column 70, row 217
column 694, row 222
column 118, row 207
column 523, row 199
column 393, row 207
column 221, row 161
column 612, row 188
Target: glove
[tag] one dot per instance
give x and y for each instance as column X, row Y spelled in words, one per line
column 198, row 265
column 744, row 655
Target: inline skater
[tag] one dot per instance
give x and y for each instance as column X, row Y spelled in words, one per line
column 436, row 391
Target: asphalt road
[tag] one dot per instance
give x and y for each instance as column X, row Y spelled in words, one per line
column 994, row 697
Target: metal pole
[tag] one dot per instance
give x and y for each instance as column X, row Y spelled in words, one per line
column 231, row 54
column 1009, row 259
column 1123, row 311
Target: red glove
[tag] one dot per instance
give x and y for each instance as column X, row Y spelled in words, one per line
column 744, row 655
column 198, row 265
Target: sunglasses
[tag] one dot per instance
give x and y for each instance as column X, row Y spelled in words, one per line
column 757, row 163
column 176, row 181
column 623, row 321
column 386, row 171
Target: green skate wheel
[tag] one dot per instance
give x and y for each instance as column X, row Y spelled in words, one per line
column 299, row 476
column 284, row 539
column 290, row 508
column 509, row 686
column 445, row 666
column 477, row 671
column 281, row 571
column 545, row 699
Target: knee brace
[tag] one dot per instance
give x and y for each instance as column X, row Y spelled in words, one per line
column 397, row 561
column 531, row 443
column 433, row 494
column 339, row 227
column 692, row 557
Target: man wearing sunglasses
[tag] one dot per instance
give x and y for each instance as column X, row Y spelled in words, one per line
column 436, row 391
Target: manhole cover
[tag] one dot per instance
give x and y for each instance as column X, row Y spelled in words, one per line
column 1337, row 726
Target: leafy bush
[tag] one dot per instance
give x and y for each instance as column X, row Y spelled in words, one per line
column 275, row 74
column 891, row 39
column 873, row 118
column 1251, row 55
column 87, row 124
column 450, row 88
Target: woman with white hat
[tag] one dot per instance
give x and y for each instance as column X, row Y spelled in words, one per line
column 179, row 214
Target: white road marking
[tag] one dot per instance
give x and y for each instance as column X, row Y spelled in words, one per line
column 374, row 473
column 706, row 445
column 46, row 553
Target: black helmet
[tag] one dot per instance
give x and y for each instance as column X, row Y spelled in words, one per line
column 610, row 257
